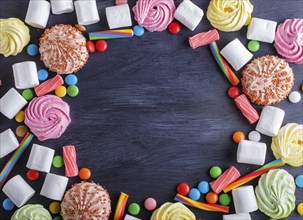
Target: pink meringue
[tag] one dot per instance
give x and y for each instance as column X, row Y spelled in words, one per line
column 289, row 40
column 47, row 117
column 154, row 15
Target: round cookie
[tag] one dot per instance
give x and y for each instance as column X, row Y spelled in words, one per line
column 267, row 80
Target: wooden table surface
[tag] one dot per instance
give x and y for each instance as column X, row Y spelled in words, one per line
column 152, row 112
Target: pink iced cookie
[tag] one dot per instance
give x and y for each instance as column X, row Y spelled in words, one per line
column 154, row 15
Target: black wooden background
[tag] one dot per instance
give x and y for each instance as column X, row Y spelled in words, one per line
column 152, row 112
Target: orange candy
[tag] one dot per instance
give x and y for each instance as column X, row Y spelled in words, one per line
column 211, row 197
column 238, row 136
column 84, row 173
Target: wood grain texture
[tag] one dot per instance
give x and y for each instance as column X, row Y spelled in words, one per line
column 152, row 112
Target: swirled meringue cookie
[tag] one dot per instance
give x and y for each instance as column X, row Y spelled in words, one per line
column 275, row 193
column 154, row 15
column 14, row 36
column 86, row 201
column 31, row 212
column 169, row 211
column 47, row 117
column 289, row 40
column 288, row 144
column 63, row 49
column 229, row 15
column 267, row 80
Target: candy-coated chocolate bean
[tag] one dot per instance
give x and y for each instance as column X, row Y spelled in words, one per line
column 174, row 27
column 90, row 46
column 101, row 45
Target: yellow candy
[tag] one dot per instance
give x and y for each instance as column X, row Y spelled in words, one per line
column 302, row 88
column 300, row 208
column 54, row 208
column 20, row 116
column 60, row 91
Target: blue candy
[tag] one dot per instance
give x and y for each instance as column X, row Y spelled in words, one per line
column 203, row 187
column 71, row 79
column 42, row 74
column 8, row 205
column 299, row 181
column 194, row 194
column 32, row 50
column 138, row 31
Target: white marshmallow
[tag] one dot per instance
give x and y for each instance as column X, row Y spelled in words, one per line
column 25, row 75
column 240, row 216
column 54, row 186
column 236, row 54
column 118, row 16
column 40, row 158
column 11, row 103
column 8, row 142
column 38, row 13
column 87, row 12
column 62, row 6
column 189, row 14
column 18, row 190
column 270, row 121
column 251, row 152
column 261, row 30
column 129, row 217
column 244, row 199
column 254, row 136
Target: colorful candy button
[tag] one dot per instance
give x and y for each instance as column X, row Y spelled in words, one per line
column 20, row 116
column 238, row 136
column 183, row 189
column 138, row 31
column 215, row 172
column 54, row 208
column 21, row 130
column 72, row 91
column 194, row 194
column 42, row 74
column 174, row 27
column 299, row 181
column 211, row 197
column 150, row 204
column 8, row 205
column 254, row 136
column 203, row 187
column 32, row 50
column 294, row 97
column 90, row 46
column 32, row 175
column 302, row 88
column 58, row 161
column 253, row 45
column 300, row 208
column 84, row 173
column 224, row 199
column 101, row 45
column 71, row 79
column 60, row 91
column 27, row 94
column 234, row 92
column 134, row 208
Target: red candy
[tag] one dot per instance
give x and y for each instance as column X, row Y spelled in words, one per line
column 32, row 175
column 90, row 46
column 174, row 27
column 234, row 92
column 183, row 189
column 101, row 45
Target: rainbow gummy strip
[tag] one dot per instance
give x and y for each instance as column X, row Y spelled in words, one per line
column 15, row 157
column 201, row 205
column 120, row 208
column 245, row 179
column 230, row 75
column 111, row 34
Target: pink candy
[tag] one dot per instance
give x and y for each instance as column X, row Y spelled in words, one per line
column 229, row 176
column 69, row 157
column 204, row 38
column 49, row 85
column 121, row 2
column 246, row 108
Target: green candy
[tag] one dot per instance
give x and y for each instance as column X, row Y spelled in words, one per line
column 134, row 209
column 57, row 218
column 28, row 94
column 72, row 90
column 253, row 45
column 224, row 199
column 31, row 212
column 215, row 172
column 58, row 161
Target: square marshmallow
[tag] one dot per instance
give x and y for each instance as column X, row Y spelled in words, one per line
column 18, row 190
column 11, row 103
column 62, row 6
column 251, row 152
column 87, row 12
column 38, row 13
column 189, row 14
column 236, row 54
column 270, row 121
column 40, row 158
column 262, row 30
column 8, row 142
column 54, row 186
column 118, row 16
column 240, row 216
column 25, row 75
